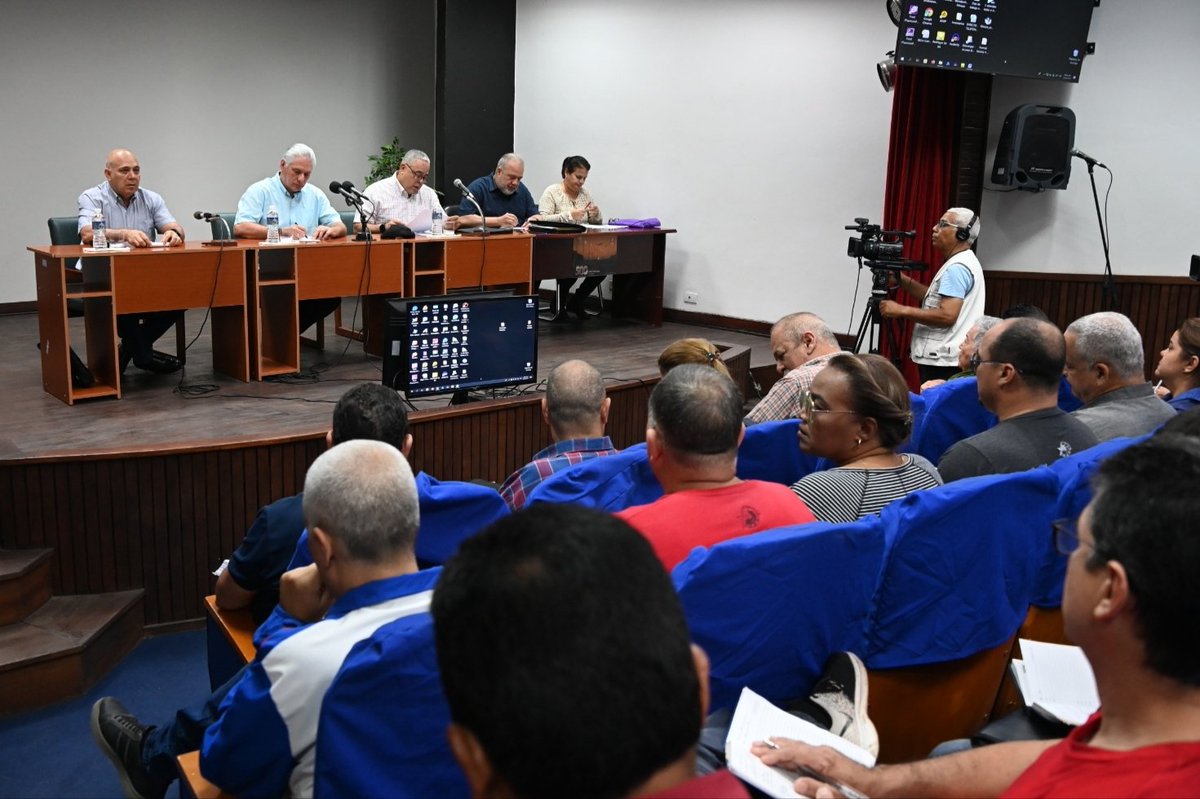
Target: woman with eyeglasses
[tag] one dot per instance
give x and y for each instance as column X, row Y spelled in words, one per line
column 855, row 414
column 569, row 201
column 1178, row 367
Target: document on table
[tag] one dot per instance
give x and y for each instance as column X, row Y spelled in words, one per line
column 756, row 719
column 604, row 227
column 1057, row 681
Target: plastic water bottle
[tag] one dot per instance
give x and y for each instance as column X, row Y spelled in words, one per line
column 435, row 227
column 272, row 225
column 99, row 237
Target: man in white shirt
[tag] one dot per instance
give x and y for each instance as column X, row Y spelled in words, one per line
column 403, row 198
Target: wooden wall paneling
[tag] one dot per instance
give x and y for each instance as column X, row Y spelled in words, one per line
column 193, row 546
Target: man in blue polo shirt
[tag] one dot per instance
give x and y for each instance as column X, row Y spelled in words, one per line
column 304, row 212
column 133, row 216
column 502, row 196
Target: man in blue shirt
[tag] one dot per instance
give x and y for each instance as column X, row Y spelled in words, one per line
column 304, row 212
column 133, row 215
column 502, row 196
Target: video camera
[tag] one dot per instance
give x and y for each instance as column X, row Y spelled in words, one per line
column 883, row 248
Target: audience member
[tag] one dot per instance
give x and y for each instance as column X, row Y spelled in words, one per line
column 361, row 506
column 132, row 215
column 569, row 201
column 1178, row 369
column 1107, row 372
column 952, row 301
column 403, row 198
column 567, row 665
column 1129, row 599
column 304, row 212
column 966, row 350
column 576, row 411
column 368, row 411
column 145, row 755
column 802, row 343
column 502, row 196
column 1022, row 362
column 1024, row 310
column 691, row 350
column 856, row 414
column 692, row 439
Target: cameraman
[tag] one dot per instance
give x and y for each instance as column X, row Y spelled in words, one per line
column 950, row 304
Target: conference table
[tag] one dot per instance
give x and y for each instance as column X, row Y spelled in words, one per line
column 253, row 290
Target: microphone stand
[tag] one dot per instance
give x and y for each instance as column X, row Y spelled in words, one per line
column 365, row 233
column 1110, row 288
column 482, row 219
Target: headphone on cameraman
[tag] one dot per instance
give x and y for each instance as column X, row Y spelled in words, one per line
column 964, row 233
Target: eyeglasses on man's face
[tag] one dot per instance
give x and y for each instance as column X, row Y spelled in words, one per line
column 1066, row 536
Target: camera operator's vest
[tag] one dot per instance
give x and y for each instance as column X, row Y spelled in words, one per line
column 938, row 346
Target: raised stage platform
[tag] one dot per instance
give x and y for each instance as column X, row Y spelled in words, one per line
column 154, row 489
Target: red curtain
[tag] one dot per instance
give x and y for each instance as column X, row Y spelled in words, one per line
column 925, row 109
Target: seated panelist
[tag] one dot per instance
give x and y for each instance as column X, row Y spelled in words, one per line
column 133, row 215
column 304, row 212
column 502, row 196
column 569, row 201
column 403, row 198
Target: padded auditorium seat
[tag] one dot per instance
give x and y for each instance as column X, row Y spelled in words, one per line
column 950, row 412
column 611, row 483
column 451, row 512
column 769, row 608
column 770, row 451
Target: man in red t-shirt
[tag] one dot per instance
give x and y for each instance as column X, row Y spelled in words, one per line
column 692, row 440
column 1131, row 602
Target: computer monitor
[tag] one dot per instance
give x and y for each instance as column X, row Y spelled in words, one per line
column 457, row 343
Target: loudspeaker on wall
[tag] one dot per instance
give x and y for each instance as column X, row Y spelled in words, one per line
column 1034, row 151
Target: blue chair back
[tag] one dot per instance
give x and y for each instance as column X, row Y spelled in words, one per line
column 950, row 413
column 1075, row 492
column 612, row 483
column 451, row 512
column 769, row 608
column 960, row 567
column 770, row 451
column 382, row 730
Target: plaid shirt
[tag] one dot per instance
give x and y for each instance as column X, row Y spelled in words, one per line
column 553, row 458
column 783, row 400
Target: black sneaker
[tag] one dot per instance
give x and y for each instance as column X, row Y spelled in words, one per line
column 159, row 363
column 842, row 693
column 119, row 735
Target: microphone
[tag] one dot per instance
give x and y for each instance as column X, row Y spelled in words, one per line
column 1087, row 159
column 336, row 188
column 348, row 186
column 458, row 184
column 205, row 216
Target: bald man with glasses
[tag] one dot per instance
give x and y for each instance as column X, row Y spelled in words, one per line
column 1017, row 368
column 403, row 198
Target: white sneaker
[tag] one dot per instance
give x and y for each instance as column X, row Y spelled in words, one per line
column 842, row 693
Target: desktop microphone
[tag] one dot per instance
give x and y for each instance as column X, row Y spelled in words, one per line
column 458, row 184
column 204, row 215
column 348, row 186
column 1087, row 159
column 336, row 188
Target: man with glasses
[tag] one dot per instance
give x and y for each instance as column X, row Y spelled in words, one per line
column 502, row 196
column 1129, row 602
column 950, row 304
column 802, row 343
column 404, row 198
column 1017, row 368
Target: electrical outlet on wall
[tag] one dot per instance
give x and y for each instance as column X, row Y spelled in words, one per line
column 691, row 297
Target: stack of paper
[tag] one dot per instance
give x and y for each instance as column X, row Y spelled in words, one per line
column 1056, row 681
column 756, row 719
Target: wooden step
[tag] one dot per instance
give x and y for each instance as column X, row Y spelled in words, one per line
column 24, row 582
column 63, row 648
